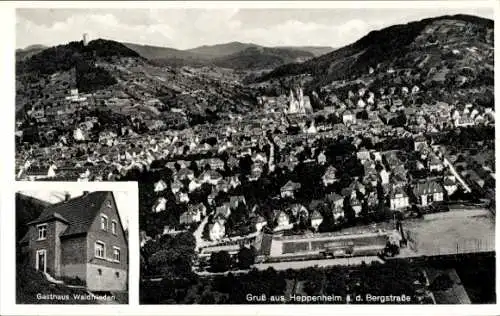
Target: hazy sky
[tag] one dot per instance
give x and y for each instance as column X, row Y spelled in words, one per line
column 187, row 28
column 123, row 201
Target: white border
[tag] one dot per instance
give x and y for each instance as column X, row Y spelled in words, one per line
column 253, row 4
column 8, row 187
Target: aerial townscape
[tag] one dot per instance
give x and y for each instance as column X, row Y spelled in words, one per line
column 284, row 174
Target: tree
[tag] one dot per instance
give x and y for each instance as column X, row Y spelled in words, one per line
column 220, row 261
column 314, row 281
column 442, row 283
column 150, row 248
column 362, row 115
column 212, row 141
column 246, row 257
column 398, row 121
column 349, row 213
column 245, row 164
column 170, row 256
column 185, row 240
column 320, row 119
column 391, row 249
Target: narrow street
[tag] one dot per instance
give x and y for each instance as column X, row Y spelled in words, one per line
column 198, row 233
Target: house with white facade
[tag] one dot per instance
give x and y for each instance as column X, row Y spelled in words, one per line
column 428, row 191
column 398, row 199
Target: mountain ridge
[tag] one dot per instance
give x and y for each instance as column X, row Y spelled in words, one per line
column 209, row 55
column 219, row 50
column 228, row 55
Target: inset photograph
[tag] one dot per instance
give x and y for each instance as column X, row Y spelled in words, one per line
column 72, row 247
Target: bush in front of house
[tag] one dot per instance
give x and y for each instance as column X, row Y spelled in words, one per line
column 74, row 281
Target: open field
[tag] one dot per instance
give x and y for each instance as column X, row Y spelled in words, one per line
column 460, row 231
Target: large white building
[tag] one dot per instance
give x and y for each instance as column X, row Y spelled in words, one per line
column 399, row 199
column 298, row 103
column 217, row 230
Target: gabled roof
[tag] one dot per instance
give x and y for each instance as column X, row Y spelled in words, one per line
column 196, row 207
column 49, row 217
column 290, row 185
column 212, row 174
column 37, row 171
column 260, row 219
column 235, row 200
column 316, row 215
column 434, row 160
column 184, row 172
column 177, row 184
column 330, row 172
column 397, row 191
column 427, row 187
column 448, row 182
column 224, row 210
column 191, row 212
column 333, row 197
column 315, row 204
column 78, row 213
column 216, row 223
column 282, row 213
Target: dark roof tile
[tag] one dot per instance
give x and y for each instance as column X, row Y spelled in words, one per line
column 79, row 212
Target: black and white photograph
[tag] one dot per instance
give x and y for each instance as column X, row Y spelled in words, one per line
column 72, row 247
column 283, row 155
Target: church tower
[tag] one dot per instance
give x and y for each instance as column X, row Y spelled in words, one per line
column 292, row 103
column 301, row 100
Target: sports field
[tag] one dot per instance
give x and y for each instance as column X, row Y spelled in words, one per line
column 458, row 231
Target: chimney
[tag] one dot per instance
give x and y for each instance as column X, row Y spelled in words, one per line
column 67, row 196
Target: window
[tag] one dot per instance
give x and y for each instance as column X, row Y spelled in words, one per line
column 100, row 251
column 42, row 232
column 116, row 254
column 117, row 274
column 99, row 271
column 104, row 222
column 113, row 227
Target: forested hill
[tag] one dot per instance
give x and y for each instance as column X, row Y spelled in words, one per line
column 29, row 51
column 261, row 58
column 233, row 55
column 65, row 57
column 398, row 46
column 27, row 209
column 74, row 55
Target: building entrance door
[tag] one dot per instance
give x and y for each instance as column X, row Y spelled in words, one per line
column 41, row 260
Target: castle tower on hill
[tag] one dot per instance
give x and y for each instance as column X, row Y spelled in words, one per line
column 85, row 39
